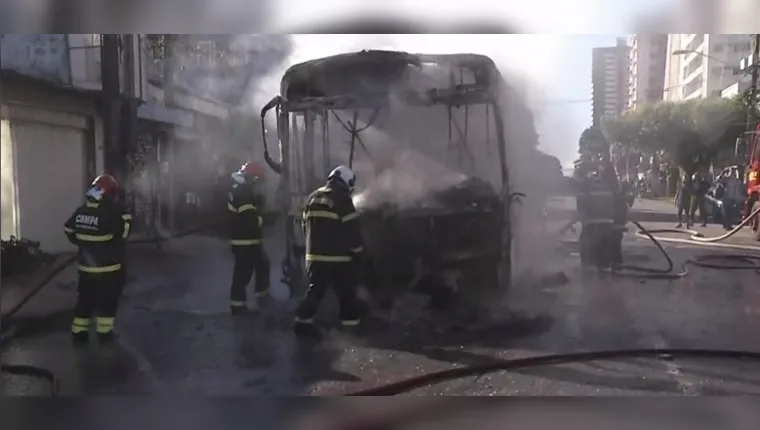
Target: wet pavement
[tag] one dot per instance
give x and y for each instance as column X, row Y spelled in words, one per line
column 177, row 336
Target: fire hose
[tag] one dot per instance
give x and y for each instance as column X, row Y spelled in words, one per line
column 500, row 365
column 5, row 326
column 741, row 262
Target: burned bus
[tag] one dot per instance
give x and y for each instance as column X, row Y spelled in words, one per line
column 426, row 137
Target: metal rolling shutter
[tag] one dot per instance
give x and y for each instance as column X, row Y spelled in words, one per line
column 49, row 170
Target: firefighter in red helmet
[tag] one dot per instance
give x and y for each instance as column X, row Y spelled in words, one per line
column 99, row 229
column 246, row 222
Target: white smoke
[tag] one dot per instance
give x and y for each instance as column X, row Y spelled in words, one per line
column 525, row 62
column 526, row 58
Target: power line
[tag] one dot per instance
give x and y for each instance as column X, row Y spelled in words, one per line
column 562, row 102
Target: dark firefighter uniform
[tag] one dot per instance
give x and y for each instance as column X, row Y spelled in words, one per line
column 246, row 240
column 333, row 245
column 620, row 226
column 614, row 246
column 595, row 205
column 100, row 229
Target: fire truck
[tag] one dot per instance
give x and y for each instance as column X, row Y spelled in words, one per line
column 749, row 146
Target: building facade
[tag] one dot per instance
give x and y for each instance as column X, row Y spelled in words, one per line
column 646, row 70
column 54, row 140
column 703, row 65
column 609, row 81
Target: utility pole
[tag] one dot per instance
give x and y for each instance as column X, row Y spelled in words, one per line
column 110, row 76
column 754, row 63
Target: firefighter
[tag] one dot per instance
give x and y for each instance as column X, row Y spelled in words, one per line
column 620, row 226
column 595, row 205
column 246, row 238
column 620, row 215
column 99, row 229
column 333, row 250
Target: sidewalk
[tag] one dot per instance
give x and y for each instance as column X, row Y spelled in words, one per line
column 643, row 210
column 743, row 237
column 15, row 289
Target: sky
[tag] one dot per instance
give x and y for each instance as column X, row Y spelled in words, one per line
column 562, row 118
column 554, row 71
column 558, row 65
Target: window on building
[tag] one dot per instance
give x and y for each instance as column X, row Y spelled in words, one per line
column 694, row 44
column 692, row 86
column 693, row 65
column 742, row 47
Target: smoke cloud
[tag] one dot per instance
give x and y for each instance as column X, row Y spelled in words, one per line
column 401, row 159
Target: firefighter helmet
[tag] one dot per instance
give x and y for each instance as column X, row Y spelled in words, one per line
column 104, row 186
column 344, row 175
column 248, row 172
column 252, row 170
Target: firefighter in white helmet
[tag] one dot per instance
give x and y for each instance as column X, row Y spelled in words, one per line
column 333, row 249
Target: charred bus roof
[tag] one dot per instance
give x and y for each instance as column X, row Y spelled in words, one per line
column 367, row 79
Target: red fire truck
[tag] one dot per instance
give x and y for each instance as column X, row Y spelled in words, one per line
column 749, row 146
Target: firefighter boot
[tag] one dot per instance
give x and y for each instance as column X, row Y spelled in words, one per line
column 106, row 338
column 306, row 331
column 239, row 309
column 80, row 330
column 105, row 330
column 80, row 338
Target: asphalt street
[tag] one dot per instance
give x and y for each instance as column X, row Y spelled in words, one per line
column 649, row 210
column 177, row 337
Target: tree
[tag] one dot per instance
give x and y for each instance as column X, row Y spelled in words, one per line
column 689, row 134
column 592, row 142
column 626, row 132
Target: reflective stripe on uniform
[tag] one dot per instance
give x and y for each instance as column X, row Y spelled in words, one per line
column 105, row 324
column 127, row 225
column 599, row 193
column 304, row 320
column 240, row 242
column 80, row 325
column 94, row 238
column 321, row 214
column 260, row 294
column 329, row 258
column 599, row 221
column 350, row 216
column 101, row 269
column 261, row 221
column 350, row 323
column 357, row 250
column 236, row 303
column 92, row 205
column 242, row 208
